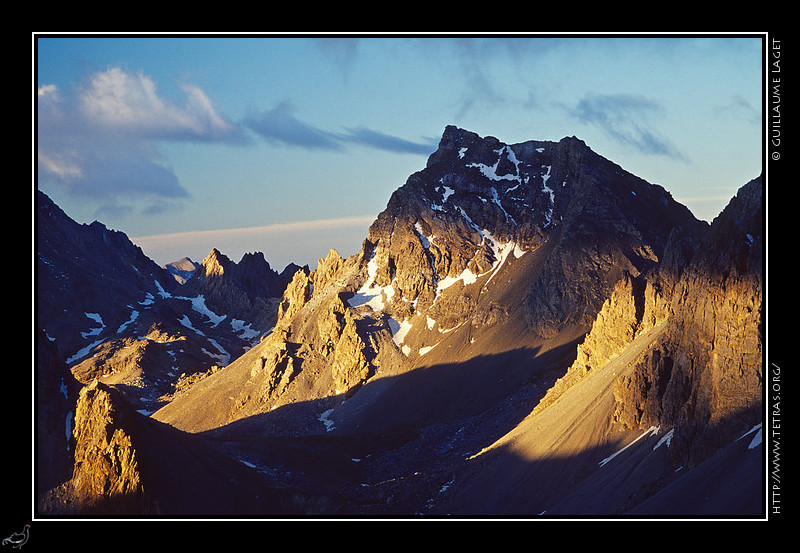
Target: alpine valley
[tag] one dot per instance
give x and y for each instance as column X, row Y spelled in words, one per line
column 528, row 330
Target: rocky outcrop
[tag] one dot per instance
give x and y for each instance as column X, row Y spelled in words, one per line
column 634, row 307
column 129, row 465
column 328, row 270
column 251, row 288
column 297, row 293
column 328, row 331
column 350, row 367
column 105, row 460
column 106, row 476
column 704, row 377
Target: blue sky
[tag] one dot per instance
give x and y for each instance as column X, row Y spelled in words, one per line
column 292, row 145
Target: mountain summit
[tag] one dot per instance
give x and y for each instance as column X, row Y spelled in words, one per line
column 479, row 201
column 518, row 319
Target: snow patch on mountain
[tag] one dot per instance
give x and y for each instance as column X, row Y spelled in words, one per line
column 245, row 330
column 324, row 418
column 650, row 431
column 399, row 331
column 467, row 276
column 369, row 294
column 757, row 438
column 547, row 190
column 94, row 331
column 426, row 349
column 490, row 172
column 447, row 193
column 133, row 317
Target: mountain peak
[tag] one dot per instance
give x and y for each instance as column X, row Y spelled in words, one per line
column 182, row 269
column 215, row 263
column 253, row 257
column 479, row 198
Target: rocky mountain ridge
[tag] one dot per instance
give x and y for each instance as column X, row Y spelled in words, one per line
column 98, row 294
column 446, row 238
column 250, row 288
column 678, row 353
column 704, row 378
column 527, row 301
column 104, row 311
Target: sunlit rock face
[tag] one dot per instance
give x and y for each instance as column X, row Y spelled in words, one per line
column 249, row 288
column 702, row 378
column 106, row 478
column 705, row 376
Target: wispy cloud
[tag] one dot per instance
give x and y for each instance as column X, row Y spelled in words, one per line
column 98, row 141
column 342, row 50
column 280, row 125
column 382, row 141
column 277, row 228
column 627, row 119
column 486, row 66
column 738, row 107
column 473, row 57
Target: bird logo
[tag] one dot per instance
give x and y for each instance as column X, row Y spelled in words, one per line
column 18, row 539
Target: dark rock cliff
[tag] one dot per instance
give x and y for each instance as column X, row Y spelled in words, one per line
column 87, row 269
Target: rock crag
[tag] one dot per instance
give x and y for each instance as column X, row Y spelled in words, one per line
column 112, row 314
column 106, row 477
column 704, row 378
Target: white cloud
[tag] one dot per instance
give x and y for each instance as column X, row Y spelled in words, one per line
column 130, row 103
column 46, row 90
column 99, row 141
